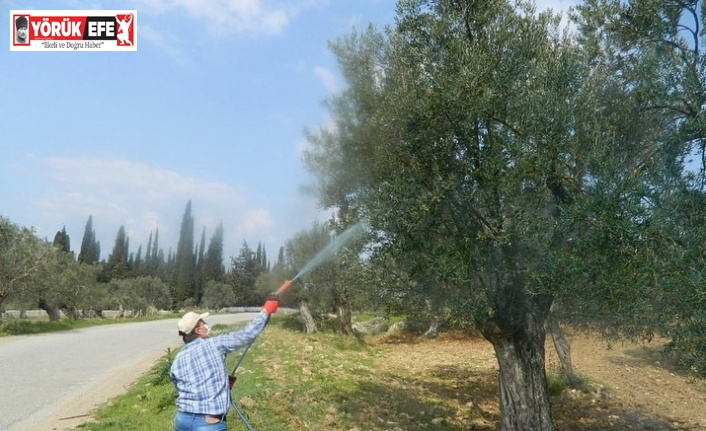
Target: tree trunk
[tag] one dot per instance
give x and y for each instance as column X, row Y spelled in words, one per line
column 562, row 346
column 53, row 312
column 434, row 306
column 309, row 323
column 519, row 347
column 73, row 312
column 343, row 310
column 344, row 317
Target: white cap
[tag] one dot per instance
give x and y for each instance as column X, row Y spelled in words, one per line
column 189, row 321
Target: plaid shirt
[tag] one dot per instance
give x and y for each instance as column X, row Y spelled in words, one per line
column 199, row 371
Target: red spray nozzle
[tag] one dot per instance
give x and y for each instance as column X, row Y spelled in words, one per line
column 286, row 285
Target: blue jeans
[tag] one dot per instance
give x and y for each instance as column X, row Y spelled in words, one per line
column 194, row 422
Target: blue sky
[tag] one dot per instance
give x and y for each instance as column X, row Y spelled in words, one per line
column 211, row 108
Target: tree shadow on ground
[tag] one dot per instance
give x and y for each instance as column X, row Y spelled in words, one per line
column 452, row 398
column 653, row 356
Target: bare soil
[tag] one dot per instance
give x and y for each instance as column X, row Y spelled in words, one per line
column 625, row 386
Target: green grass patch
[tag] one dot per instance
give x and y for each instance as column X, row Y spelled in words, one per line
column 287, row 381
column 13, row 326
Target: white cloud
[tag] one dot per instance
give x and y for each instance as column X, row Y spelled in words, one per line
column 143, row 198
column 327, row 78
column 236, row 16
column 223, row 17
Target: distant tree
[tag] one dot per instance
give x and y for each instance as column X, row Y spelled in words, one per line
column 151, row 292
column 280, row 258
column 217, row 295
column 261, row 257
column 62, row 240
column 199, row 281
column 90, row 248
column 148, row 253
column 137, row 265
column 156, row 257
column 117, row 265
column 65, row 285
column 245, row 269
column 213, row 262
column 185, row 265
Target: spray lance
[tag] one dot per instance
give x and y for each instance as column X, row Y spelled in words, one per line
column 231, row 379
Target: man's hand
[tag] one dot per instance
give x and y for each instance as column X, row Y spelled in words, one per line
column 271, row 305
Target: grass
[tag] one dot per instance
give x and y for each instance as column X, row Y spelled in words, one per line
column 13, row 326
column 290, row 381
column 286, row 381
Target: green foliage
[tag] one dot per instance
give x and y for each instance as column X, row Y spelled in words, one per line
column 12, row 326
column 22, row 257
column 218, row 295
column 159, row 374
column 62, row 241
column 688, row 344
column 26, row 327
column 117, row 266
column 245, row 270
column 509, row 166
column 558, row 382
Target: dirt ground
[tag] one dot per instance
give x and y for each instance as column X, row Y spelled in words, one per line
column 626, row 386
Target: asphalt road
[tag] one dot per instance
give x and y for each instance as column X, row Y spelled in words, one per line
column 50, row 380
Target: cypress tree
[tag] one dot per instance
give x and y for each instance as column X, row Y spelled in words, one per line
column 213, row 263
column 90, row 248
column 117, row 265
column 184, row 285
column 62, row 240
column 157, row 255
column 198, row 276
column 148, row 253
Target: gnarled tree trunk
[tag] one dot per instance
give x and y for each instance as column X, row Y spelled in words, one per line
column 53, row 312
column 309, row 323
column 518, row 341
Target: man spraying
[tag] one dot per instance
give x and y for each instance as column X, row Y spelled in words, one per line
column 199, row 371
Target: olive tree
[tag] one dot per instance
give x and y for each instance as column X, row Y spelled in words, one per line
column 22, row 257
column 487, row 149
column 655, row 48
